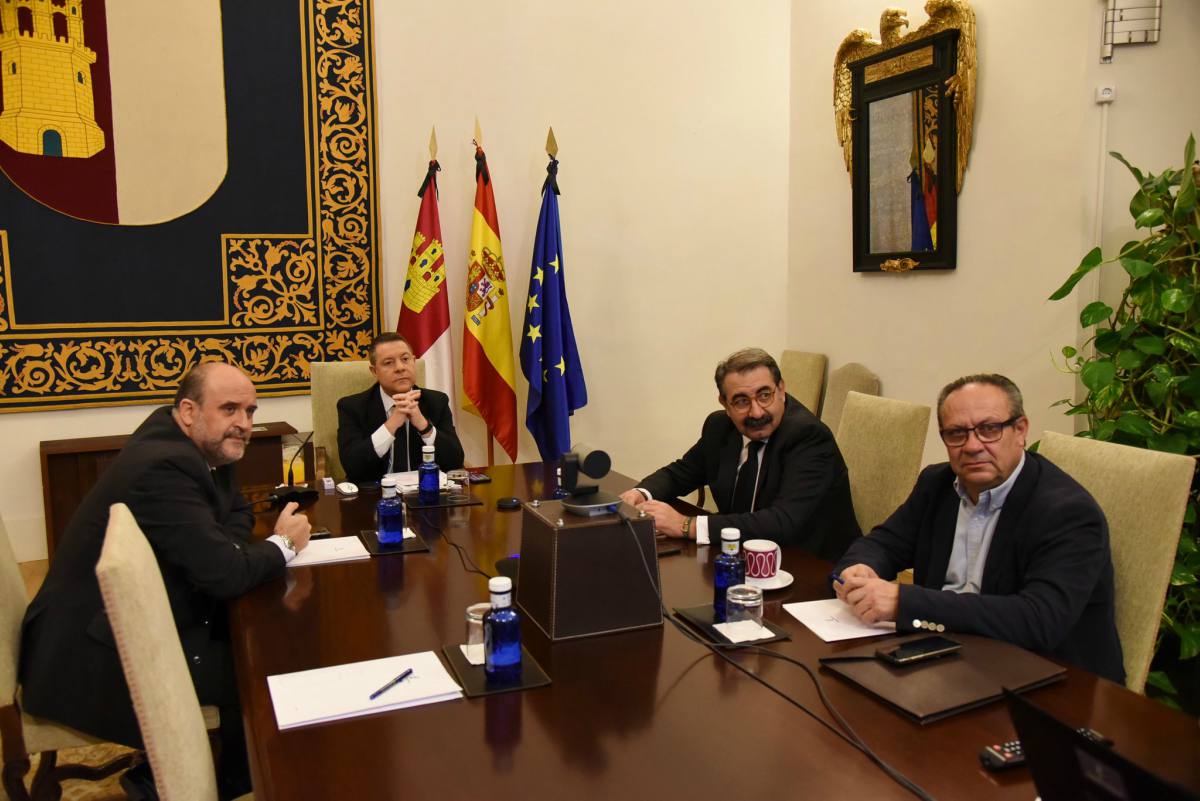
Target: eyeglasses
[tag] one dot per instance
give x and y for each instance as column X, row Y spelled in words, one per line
column 741, row 403
column 984, row 432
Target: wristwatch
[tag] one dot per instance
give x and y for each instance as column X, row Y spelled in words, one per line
column 424, row 432
column 687, row 527
column 287, row 541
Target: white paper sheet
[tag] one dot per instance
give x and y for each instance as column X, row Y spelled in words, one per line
column 832, row 620
column 328, row 551
column 743, row 631
column 343, row 691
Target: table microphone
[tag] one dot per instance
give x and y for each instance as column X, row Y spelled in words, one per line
column 282, row 496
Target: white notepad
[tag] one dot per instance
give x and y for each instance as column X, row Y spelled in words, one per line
column 407, row 481
column 832, row 620
column 328, row 551
column 343, row 691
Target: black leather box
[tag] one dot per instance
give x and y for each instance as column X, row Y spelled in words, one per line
column 582, row 576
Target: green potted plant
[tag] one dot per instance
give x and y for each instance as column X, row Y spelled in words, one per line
column 1142, row 376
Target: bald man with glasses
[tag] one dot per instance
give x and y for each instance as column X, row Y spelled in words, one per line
column 773, row 469
column 1002, row 543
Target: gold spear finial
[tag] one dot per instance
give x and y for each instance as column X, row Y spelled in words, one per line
column 551, row 144
column 433, row 143
column 478, row 133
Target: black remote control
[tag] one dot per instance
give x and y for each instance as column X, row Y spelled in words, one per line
column 1001, row 756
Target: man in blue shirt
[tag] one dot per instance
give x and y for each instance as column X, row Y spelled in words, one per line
column 1001, row 542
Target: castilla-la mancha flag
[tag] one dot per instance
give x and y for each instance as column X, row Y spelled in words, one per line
column 489, row 376
column 425, row 312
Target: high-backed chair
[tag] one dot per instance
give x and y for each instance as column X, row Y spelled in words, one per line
column 164, row 698
column 1144, row 495
column 882, row 440
column 332, row 381
column 852, row 377
column 804, row 375
column 24, row 735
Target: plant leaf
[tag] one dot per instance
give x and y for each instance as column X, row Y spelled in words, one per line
column 1098, row 374
column 1189, row 152
column 1176, row 300
column 1135, row 424
column 1136, row 267
column 1130, row 359
column 1069, row 351
column 1107, row 341
column 1095, row 312
column 1149, row 218
column 1189, row 639
column 1148, row 343
column 1157, row 392
column 1090, row 262
column 1175, row 442
column 1185, row 201
column 1161, row 682
column 1190, row 386
column 1136, row 172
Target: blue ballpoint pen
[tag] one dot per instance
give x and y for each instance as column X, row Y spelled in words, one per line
column 390, row 684
column 836, row 578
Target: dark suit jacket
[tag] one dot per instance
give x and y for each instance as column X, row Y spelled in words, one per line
column 803, row 487
column 199, row 527
column 360, row 415
column 1048, row 580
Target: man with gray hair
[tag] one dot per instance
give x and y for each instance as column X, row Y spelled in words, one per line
column 1002, row 543
column 773, row 468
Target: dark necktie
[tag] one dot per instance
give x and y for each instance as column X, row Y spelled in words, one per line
column 747, row 478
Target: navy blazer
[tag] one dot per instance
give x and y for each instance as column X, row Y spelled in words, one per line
column 359, row 415
column 199, row 527
column 1047, row 583
column 803, row 486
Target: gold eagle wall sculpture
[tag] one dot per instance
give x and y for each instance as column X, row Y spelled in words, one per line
column 943, row 15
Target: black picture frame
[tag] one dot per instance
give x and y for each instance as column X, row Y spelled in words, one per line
column 945, row 53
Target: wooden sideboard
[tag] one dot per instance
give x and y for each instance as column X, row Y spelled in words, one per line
column 70, row 467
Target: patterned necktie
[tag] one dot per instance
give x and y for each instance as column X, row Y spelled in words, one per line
column 747, row 478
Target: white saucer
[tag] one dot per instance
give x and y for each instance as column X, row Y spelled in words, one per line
column 782, row 579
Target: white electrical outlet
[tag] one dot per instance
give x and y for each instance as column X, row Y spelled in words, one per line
column 1106, row 93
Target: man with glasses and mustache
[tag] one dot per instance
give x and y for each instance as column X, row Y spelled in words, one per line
column 1002, row 543
column 773, row 468
column 176, row 475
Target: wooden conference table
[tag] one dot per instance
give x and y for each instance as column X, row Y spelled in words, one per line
column 646, row 714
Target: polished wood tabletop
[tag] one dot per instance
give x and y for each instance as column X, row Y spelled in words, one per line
column 647, row 714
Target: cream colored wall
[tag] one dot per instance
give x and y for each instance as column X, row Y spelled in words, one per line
column 1025, row 212
column 672, row 119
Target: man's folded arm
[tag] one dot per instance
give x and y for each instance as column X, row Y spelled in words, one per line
column 178, row 521
column 684, row 475
column 1058, row 584
column 355, row 448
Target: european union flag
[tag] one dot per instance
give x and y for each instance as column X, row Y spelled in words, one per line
column 549, row 357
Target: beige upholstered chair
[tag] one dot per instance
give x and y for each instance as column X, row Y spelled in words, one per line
column 804, row 375
column 164, row 698
column 882, row 440
column 852, row 377
column 332, row 381
column 1144, row 495
column 22, row 734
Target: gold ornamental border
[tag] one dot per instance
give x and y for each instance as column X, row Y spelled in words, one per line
column 289, row 299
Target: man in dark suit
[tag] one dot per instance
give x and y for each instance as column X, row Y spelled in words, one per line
column 383, row 429
column 1001, row 542
column 176, row 475
column 773, row 468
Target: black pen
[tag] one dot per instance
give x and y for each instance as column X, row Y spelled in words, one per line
column 390, row 684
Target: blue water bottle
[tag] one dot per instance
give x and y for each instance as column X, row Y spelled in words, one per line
column 428, row 477
column 501, row 635
column 389, row 514
column 729, row 569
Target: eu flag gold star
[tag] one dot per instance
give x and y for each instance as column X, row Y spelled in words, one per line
column 562, row 366
column 533, row 304
column 534, row 332
column 537, row 275
column 554, row 264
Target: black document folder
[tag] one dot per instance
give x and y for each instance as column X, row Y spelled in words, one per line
column 975, row 675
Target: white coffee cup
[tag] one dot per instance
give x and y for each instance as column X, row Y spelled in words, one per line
column 763, row 559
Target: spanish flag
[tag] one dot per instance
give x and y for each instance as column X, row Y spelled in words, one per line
column 489, row 377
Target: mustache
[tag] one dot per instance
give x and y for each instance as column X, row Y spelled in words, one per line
column 759, row 422
column 235, row 433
